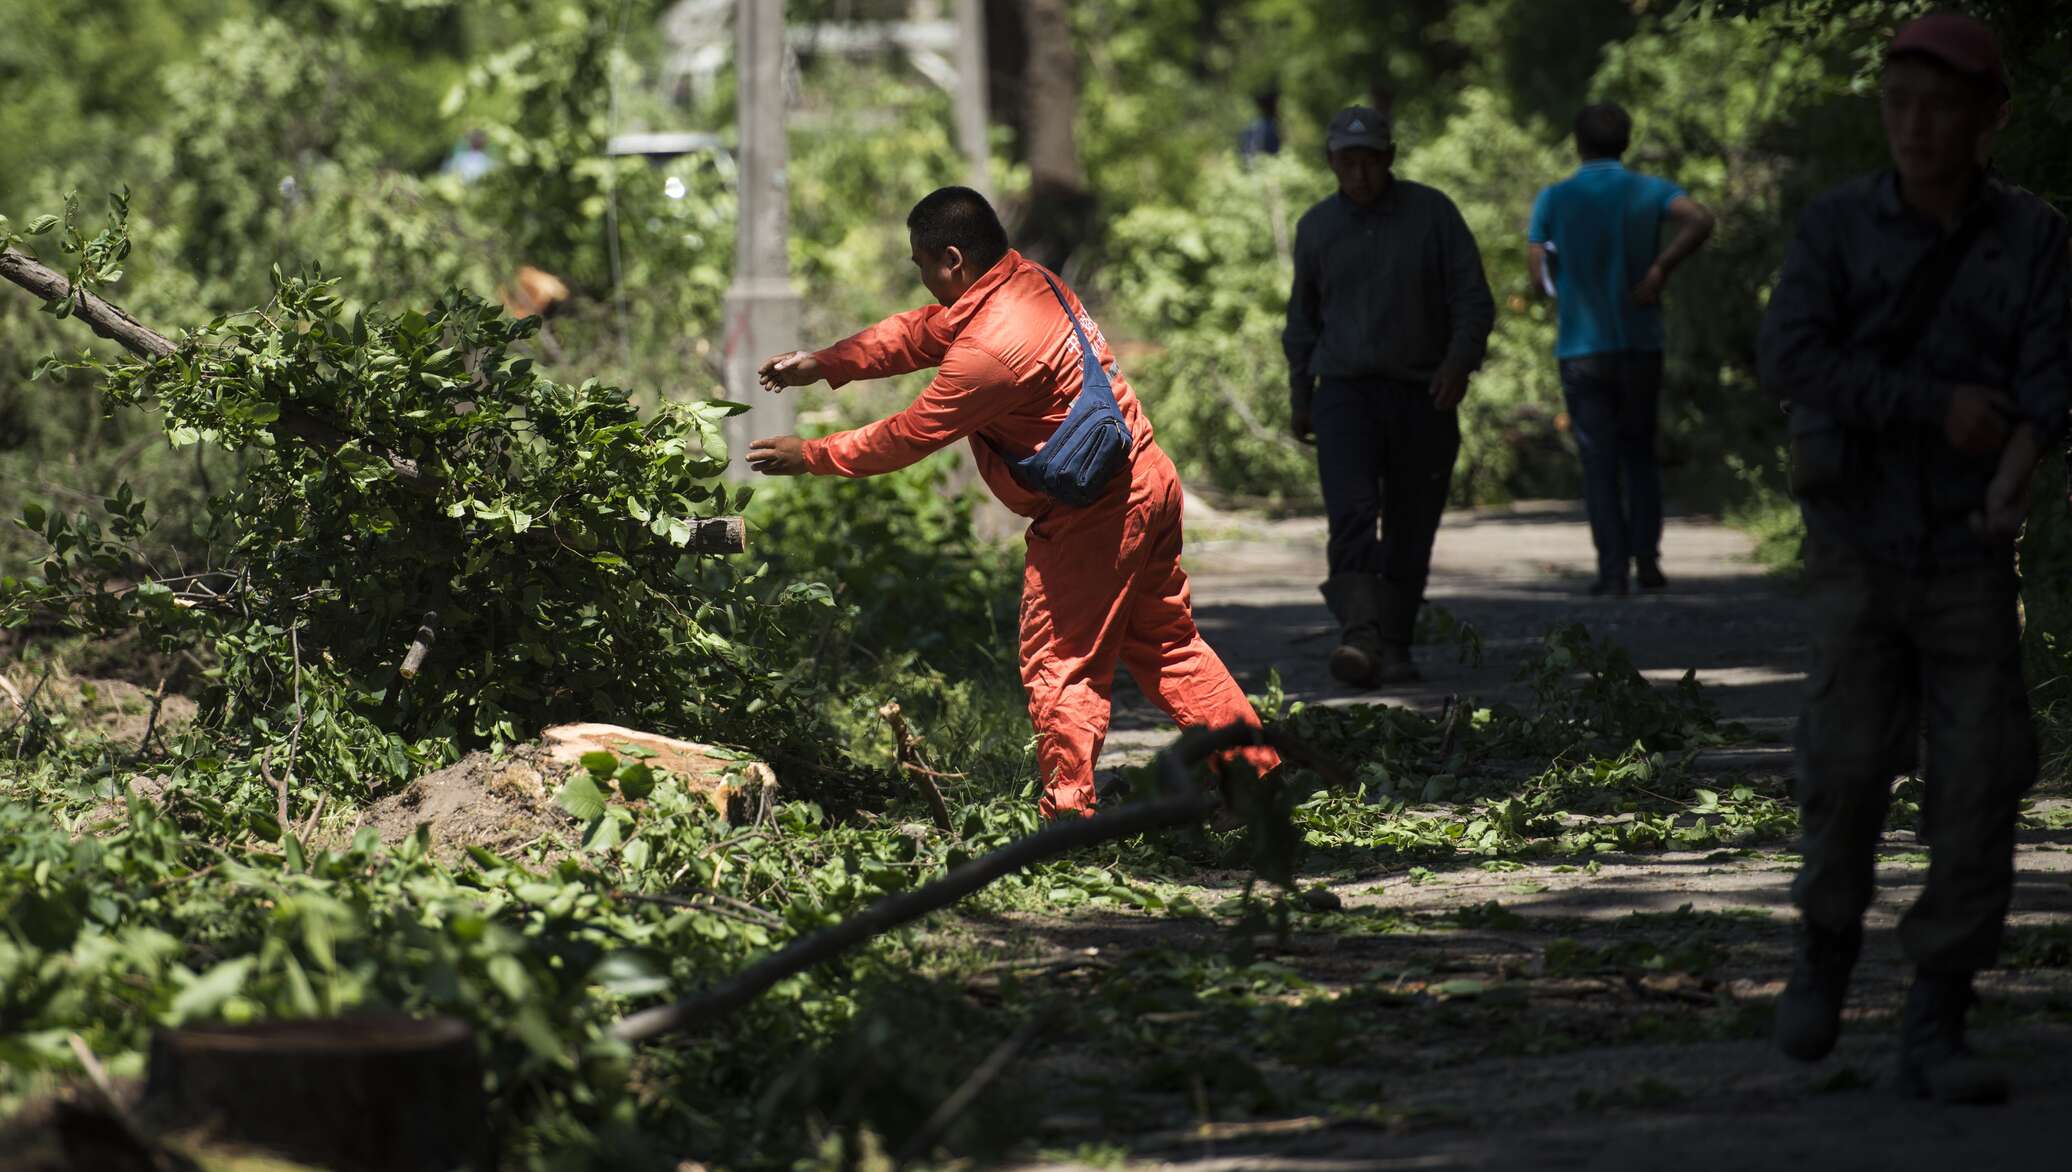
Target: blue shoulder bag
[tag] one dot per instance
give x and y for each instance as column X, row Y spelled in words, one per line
column 1091, row 445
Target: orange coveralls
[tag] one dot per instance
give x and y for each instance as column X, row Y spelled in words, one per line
column 1102, row 582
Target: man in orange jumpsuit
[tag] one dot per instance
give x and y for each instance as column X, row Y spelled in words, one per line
column 1103, row 581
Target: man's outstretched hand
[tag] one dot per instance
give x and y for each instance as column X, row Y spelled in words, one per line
column 779, row 455
column 794, row 369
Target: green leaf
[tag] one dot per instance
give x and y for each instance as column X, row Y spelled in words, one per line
column 206, row 993
column 581, row 797
column 42, row 224
column 637, row 854
column 508, row 974
column 600, row 762
column 636, row 781
column 537, row 1033
column 630, row 974
column 603, row 833
column 33, row 516
column 485, row 857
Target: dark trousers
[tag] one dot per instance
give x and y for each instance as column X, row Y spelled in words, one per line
column 1385, row 455
column 1893, row 649
column 1612, row 401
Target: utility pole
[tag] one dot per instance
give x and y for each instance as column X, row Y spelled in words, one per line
column 971, row 94
column 762, row 308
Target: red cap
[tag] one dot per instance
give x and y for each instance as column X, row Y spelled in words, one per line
column 1957, row 41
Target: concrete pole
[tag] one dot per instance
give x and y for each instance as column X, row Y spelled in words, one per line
column 762, row 308
column 971, row 94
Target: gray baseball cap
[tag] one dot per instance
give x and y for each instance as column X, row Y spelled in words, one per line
column 1358, row 126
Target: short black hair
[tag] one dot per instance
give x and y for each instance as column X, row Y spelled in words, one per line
column 959, row 217
column 1603, row 131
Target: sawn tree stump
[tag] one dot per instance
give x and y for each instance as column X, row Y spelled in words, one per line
column 358, row 1094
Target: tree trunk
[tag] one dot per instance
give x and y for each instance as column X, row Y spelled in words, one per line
column 1060, row 212
column 379, row 1094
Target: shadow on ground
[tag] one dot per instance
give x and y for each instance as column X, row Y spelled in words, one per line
column 1513, row 575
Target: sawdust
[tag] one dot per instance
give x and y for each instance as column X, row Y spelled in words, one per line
column 506, row 802
column 503, row 803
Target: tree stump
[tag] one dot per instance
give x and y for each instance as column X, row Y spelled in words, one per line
column 357, row 1094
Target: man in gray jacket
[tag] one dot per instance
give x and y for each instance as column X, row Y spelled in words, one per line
column 1919, row 334
column 1389, row 316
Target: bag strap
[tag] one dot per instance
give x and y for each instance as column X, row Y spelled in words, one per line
column 1927, row 286
column 1089, row 361
column 1089, row 364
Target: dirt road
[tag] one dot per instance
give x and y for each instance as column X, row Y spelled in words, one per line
column 1598, row 1071
column 1513, row 574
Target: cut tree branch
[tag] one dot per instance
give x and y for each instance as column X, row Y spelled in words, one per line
column 906, row 747
column 1189, row 804
column 114, row 323
column 110, row 321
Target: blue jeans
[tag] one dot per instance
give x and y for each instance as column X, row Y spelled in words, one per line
column 1612, row 401
column 1385, row 456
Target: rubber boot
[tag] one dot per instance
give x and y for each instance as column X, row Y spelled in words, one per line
column 1355, row 601
column 1809, row 1014
column 1399, row 605
column 1934, row 1062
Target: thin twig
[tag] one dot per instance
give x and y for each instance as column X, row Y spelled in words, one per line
column 28, row 708
column 280, row 788
column 937, row 774
column 1450, row 726
column 1032, row 967
column 315, row 816
column 717, row 905
column 189, row 877
column 94, row 1070
column 294, row 734
column 151, row 724
column 976, row 1082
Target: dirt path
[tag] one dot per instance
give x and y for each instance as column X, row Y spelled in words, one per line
column 1514, row 574
column 1537, row 1058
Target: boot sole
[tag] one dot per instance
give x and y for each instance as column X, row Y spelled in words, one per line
column 1914, row 1085
column 1807, row 1053
column 1799, row 1039
column 1352, row 667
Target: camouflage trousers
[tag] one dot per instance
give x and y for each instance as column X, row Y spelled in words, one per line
column 1895, row 651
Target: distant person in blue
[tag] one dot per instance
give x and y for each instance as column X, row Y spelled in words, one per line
column 1596, row 246
column 1262, row 135
column 470, row 159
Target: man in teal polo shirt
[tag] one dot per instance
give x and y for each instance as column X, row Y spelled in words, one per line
column 1596, row 246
